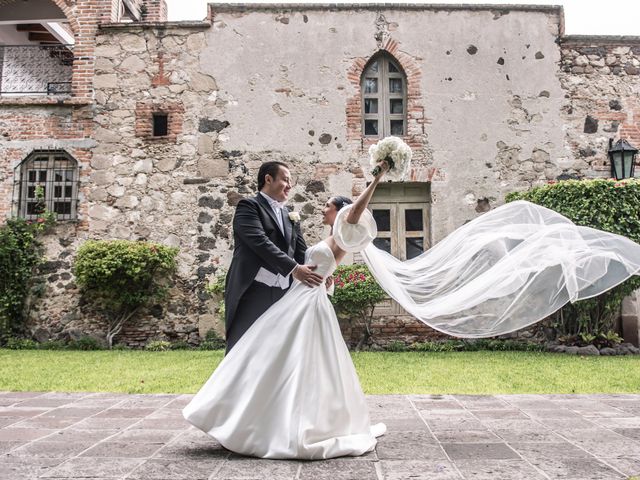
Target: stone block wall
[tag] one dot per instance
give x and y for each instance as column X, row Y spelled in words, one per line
column 489, row 111
column 601, row 80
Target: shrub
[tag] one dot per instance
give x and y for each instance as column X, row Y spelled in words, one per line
column 216, row 289
column 356, row 295
column 158, row 346
column 52, row 345
column 605, row 204
column 122, row 276
column 85, row 343
column 477, row 345
column 20, row 344
column 20, row 254
column 397, row 346
column 180, row 345
column 213, row 341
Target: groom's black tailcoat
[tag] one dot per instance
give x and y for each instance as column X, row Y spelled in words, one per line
column 258, row 243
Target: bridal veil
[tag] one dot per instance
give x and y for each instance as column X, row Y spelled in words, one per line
column 503, row 271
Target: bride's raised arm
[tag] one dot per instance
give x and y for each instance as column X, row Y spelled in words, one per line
column 361, row 203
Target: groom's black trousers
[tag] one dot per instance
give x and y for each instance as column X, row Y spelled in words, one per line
column 255, row 301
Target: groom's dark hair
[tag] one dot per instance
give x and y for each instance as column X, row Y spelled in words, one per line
column 268, row 168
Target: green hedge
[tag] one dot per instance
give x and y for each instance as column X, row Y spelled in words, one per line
column 605, row 204
column 356, row 295
column 121, row 276
column 20, row 254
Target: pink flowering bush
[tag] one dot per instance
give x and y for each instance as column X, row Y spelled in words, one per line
column 356, row 295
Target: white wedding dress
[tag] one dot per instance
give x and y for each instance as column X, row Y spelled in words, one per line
column 288, row 388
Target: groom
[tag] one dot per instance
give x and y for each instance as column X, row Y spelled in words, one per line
column 269, row 250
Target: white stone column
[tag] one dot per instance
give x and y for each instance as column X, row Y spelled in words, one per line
column 631, row 318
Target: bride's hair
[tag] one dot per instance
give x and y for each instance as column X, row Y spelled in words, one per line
column 340, row 201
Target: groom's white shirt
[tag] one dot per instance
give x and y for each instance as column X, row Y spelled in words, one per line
column 265, row 276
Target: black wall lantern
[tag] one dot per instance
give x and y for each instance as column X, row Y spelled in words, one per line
column 622, row 156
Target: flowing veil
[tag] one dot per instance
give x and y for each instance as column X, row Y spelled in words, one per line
column 503, row 271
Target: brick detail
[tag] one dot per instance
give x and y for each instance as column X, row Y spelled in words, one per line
column 156, row 11
column 416, row 118
column 144, row 120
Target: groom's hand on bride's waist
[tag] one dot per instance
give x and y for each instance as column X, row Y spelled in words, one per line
column 305, row 274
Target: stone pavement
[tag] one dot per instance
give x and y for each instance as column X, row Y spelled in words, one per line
column 435, row 437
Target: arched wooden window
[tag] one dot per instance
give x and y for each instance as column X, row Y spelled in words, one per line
column 54, row 173
column 384, row 97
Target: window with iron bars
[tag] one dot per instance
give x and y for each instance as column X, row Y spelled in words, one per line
column 56, row 173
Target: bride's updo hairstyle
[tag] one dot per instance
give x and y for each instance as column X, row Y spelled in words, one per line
column 340, row 202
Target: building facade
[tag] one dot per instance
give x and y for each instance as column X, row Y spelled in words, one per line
column 163, row 126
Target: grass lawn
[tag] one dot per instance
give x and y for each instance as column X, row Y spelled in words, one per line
column 380, row 372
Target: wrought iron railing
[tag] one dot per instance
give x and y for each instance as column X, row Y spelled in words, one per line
column 35, row 69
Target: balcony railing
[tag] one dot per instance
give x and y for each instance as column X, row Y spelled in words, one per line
column 35, row 69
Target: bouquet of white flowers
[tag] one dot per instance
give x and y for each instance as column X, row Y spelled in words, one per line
column 395, row 152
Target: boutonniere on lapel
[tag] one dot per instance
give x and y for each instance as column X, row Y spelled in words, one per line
column 294, row 216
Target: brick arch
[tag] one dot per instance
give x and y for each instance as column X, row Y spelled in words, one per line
column 68, row 10
column 416, row 119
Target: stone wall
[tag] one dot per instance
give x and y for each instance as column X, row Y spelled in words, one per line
column 601, row 80
column 489, row 112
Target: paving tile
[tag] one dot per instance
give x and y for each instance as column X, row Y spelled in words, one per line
column 44, row 402
column 531, row 435
column 6, row 421
column 610, row 449
column 549, row 450
column 72, row 412
column 56, row 423
column 498, row 470
column 336, row 469
column 123, row 412
column 22, row 412
column 480, row 402
column 593, row 434
column 418, row 470
column 628, row 465
column 500, row 413
column 577, row 469
column 182, row 449
column 243, row 467
column 171, row 413
column 617, row 422
column 162, row 424
column 409, row 445
column 145, row 436
column 467, row 436
column 12, row 468
column 633, row 433
column 437, row 404
column 79, row 435
column 12, row 434
column 176, row 469
column 478, row 451
column 561, row 413
column 20, row 395
column 564, row 424
column 412, row 424
column 445, row 413
column 94, row 468
column 6, row 446
column 105, row 423
column 122, row 450
column 453, row 423
column 43, row 448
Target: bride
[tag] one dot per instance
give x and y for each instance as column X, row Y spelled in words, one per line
column 288, row 389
